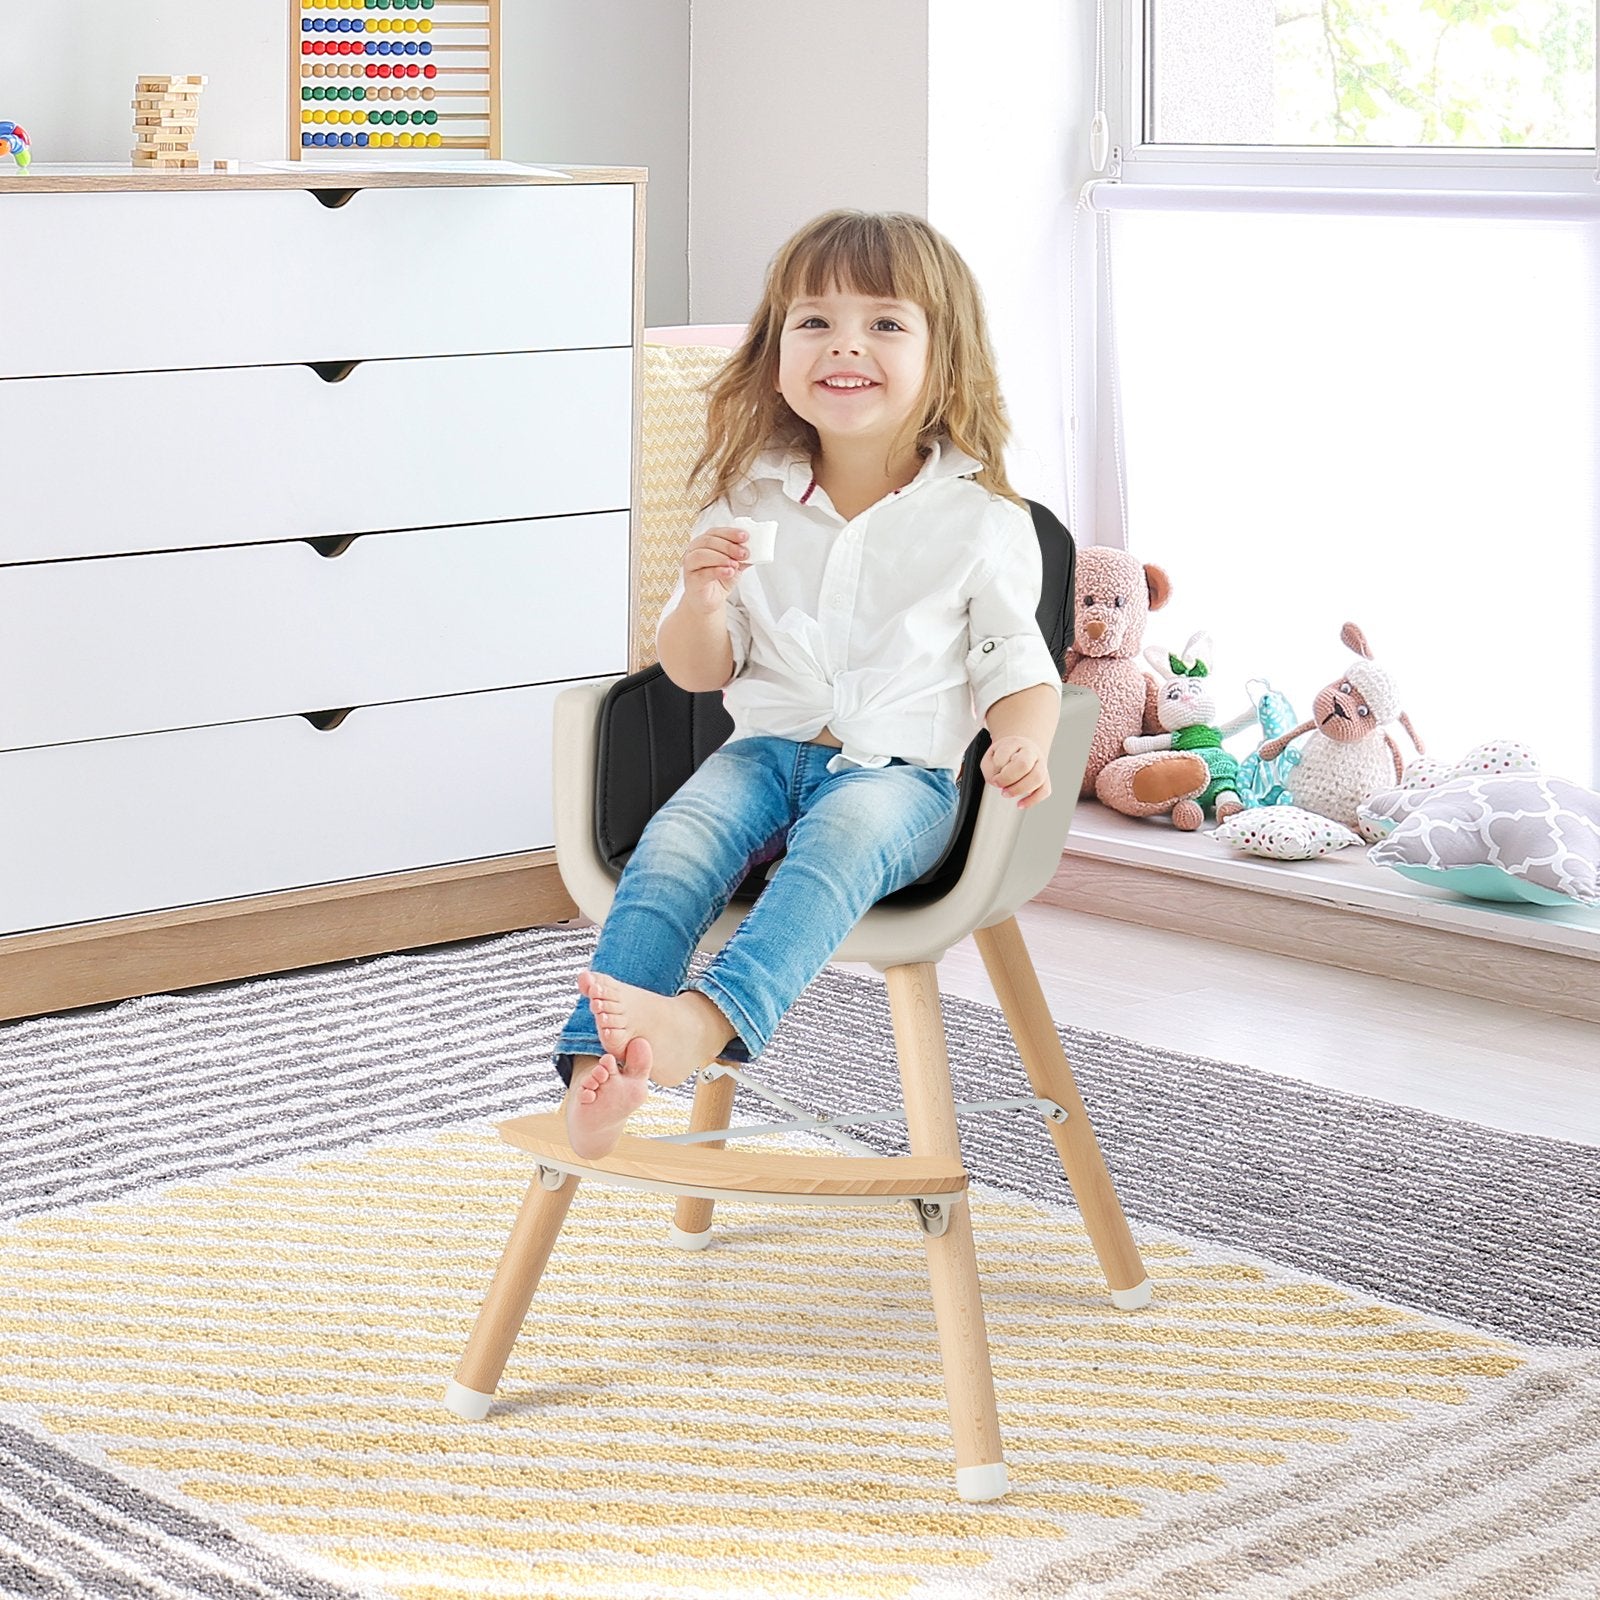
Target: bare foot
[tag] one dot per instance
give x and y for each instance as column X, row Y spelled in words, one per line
column 686, row 1031
column 599, row 1107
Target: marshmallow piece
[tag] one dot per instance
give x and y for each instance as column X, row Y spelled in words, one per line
column 762, row 543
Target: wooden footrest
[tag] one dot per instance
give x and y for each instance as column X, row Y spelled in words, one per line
column 648, row 1163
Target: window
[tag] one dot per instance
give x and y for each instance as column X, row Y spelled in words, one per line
column 1489, row 74
column 1336, row 351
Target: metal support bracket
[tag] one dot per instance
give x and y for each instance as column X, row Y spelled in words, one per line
column 933, row 1216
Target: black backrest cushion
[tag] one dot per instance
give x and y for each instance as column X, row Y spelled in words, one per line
column 654, row 734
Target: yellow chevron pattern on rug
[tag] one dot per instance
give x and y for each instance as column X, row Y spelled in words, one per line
column 763, row 1418
column 672, row 433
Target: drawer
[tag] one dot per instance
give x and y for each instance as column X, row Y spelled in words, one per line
column 236, row 278
column 134, row 644
column 169, row 460
column 121, row 826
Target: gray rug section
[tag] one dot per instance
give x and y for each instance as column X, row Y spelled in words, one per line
column 1498, row 1501
column 1500, row 1231
column 70, row 1531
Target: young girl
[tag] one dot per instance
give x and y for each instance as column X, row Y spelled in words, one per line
column 860, row 415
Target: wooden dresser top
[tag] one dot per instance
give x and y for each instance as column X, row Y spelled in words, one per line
column 42, row 178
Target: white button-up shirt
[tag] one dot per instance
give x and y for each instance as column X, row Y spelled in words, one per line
column 898, row 628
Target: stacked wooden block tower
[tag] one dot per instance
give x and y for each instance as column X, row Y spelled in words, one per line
column 166, row 113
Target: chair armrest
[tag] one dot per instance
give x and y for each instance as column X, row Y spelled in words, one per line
column 576, row 742
column 1013, row 855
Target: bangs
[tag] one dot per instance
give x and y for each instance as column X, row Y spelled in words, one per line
column 872, row 255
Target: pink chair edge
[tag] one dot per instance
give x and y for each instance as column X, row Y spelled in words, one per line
column 726, row 334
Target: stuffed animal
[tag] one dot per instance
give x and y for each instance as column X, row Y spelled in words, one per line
column 1115, row 594
column 1187, row 710
column 1349, row 755
column 1261, row 782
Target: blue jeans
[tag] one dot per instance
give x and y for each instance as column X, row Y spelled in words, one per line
column 851, row 838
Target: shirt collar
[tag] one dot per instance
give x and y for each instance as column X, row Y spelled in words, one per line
column 791, row 466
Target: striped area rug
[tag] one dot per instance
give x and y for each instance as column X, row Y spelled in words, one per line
column 250, row 1227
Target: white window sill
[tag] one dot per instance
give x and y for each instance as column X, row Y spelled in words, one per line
column 1345, row 881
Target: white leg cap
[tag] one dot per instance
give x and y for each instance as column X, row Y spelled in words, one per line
column 1134, row 1299
column 688, row 1241
column 981, row 1483
column 467, row 1402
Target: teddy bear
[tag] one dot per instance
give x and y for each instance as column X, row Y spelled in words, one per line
column 1187, row 710
column 1350, row 754
column 1115, row 593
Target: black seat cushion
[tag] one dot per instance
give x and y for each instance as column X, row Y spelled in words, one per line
column 654, row 734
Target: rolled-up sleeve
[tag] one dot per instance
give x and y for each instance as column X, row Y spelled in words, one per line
column 1005, row 649
column 716, row 515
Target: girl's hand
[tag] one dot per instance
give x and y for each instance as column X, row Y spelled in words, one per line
column 711, row 567
column 1016, row 766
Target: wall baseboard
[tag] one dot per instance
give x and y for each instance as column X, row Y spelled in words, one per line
column 59, row 969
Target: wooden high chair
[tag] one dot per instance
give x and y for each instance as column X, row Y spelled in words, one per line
column 999, row 857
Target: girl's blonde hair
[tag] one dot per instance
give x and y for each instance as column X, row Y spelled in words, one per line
column 890, row 255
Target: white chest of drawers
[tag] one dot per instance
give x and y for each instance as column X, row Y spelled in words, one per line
column 314, row 491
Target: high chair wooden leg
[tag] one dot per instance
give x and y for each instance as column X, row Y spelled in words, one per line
column 713, row 1106
column 505, row 1307
column 952, row 1262
column 1016, row 985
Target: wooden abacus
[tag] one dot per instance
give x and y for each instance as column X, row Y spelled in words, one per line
column 381, row 75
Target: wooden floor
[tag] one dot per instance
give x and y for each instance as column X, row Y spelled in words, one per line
column 1476, row 1060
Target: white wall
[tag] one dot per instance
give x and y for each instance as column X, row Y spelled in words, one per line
column 796, row 109
column 1007, row 154
column 586, row 82
column 67, row 70
column 606, row 83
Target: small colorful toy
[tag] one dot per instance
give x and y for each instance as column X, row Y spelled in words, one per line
column 15, row 139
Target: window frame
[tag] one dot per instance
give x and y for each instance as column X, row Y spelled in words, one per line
column 1133, row 159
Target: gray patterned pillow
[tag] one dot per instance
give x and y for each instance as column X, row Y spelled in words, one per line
column 1494, row 835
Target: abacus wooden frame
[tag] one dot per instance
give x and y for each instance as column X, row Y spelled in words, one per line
column 491, row 145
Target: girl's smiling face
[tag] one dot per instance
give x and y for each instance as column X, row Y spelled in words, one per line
column 853, row 366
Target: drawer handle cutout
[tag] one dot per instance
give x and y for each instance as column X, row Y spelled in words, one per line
column 327, row 721
column 333, row 371
column 334, row 198
column 333, row 544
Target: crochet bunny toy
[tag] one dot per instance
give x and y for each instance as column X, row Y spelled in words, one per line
column 1349, row 754
column 1115, row 593
column 1187, row 710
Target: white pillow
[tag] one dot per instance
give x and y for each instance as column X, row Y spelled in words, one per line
column 1285, row 833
